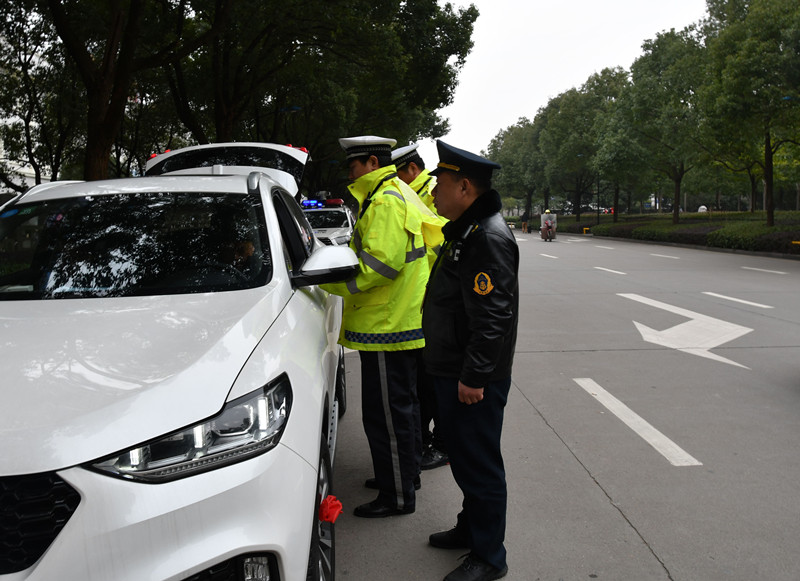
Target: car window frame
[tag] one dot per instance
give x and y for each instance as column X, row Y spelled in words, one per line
column 297, row 234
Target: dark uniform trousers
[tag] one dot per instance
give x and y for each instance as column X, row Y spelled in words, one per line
column 390, row 414
column 472, row 435
column 428, row 409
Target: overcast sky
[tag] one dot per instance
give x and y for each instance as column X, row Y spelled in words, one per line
column 528, row 51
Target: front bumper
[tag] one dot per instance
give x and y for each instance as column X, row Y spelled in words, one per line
column 130, row 531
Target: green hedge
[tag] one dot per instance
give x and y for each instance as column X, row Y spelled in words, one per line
column 733, row 230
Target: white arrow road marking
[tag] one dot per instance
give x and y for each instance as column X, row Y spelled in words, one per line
column 744, row 302
column 695, row 336
column 663, row 445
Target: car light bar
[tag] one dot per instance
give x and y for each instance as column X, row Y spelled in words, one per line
column 333, row 202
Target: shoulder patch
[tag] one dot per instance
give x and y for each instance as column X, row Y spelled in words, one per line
column 483, row 284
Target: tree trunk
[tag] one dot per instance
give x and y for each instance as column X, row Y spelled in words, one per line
column 753, row 192
column 676, row 198
column 769, row 204
column 797, row 200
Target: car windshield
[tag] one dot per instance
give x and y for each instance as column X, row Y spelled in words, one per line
column 327, row 219
column 133, row 245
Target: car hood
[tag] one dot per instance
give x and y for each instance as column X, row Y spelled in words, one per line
column 83, row 378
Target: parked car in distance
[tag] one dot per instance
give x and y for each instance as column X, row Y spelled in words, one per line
column 333, row 222
column 172, row 381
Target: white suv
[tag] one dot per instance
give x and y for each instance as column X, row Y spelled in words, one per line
column 172, row 381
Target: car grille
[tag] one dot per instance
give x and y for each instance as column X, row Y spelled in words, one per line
column 325, row 240
column 33, row 510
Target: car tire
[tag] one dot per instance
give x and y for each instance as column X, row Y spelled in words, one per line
column 322, row 556
column 341, row 385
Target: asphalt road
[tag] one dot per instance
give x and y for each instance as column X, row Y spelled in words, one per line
column 651, row 433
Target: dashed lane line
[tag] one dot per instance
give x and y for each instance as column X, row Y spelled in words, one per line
column 744, row 302
column 611, row 271
column 762, row 270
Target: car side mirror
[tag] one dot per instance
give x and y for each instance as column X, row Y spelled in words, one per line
column 326, row 264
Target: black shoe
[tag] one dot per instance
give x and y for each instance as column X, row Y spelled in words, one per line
column 475, row 569
column 380, row 508
column 373, row 483
column 452, row 539
column 433, row 458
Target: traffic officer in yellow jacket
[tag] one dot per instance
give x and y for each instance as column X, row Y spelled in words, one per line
column 411, row 169
column 382, row 320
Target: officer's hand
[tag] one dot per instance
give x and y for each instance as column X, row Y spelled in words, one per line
column 469, row 395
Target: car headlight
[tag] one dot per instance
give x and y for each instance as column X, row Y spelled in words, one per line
column 342, row 240
column 246, row 427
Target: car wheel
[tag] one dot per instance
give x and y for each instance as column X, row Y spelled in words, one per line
column 321, row 559
column 341, row 385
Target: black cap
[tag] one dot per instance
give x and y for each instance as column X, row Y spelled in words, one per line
column 458, row 160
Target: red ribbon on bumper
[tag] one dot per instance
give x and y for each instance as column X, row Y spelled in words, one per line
column 330, row 509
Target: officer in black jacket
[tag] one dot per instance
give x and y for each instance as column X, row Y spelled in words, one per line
column 470, row 324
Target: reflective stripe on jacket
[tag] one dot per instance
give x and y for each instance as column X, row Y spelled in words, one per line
column 382, row 303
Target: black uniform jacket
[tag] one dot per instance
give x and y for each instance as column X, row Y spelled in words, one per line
column 470, row 312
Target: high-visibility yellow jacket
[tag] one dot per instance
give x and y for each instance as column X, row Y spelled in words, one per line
column 423, row 185
column 382, row 303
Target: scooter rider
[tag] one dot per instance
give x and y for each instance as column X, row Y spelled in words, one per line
column 548, row 225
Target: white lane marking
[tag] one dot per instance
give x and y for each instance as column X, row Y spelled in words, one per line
column 604, row 247
column 762, row 270
column 744, row 302
column 521, row 239
column 663, row 445
column 696, row 336
column 665, row 256
column 549, row 256
column 609, row 270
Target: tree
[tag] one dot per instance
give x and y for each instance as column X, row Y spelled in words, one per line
column 567, row 142
column 108, row 43
column 269, row 70
column 39, row 102
column 617, row 157
column 664, row 113
column 516, row 150
column 752, row 91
